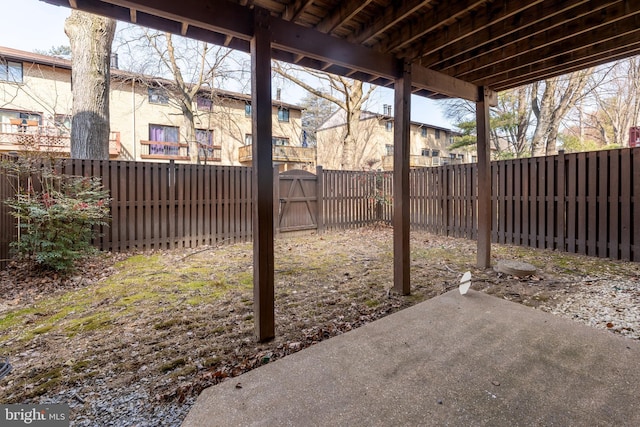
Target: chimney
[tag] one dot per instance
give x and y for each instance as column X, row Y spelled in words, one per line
column 113, row 63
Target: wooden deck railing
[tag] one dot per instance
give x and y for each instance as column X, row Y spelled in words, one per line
column 47, row 139
column 282, row 153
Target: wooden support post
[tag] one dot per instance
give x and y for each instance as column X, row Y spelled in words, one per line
column 401, row 138
column 484, row 179
column 263, row 274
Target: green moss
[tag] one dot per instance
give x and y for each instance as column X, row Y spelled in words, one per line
column 372, row 303
column 81, row 366
column 42, row 329
column 170, row 366
column 88, row 323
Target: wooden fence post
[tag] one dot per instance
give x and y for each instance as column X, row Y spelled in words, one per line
column 320, row 198
column 276, row 200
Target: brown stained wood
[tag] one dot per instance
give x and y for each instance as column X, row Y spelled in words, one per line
column 484, row 181
column 572, row 191
column 635, row 188
column 540, row 235
column 614, row 204
column 401, row 141
column 551, row 202
column 581, row 204
column 521, row 203
column 625, row 205
column 263, row 252
column 535, row 19
column 527, row 189
column 552, row 42
column 139, row 204
column 562, row 203
column 603, row 203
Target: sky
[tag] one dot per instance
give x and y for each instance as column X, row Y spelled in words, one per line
column 32, row 24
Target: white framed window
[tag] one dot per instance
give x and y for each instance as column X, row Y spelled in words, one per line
column 11, row 71
column 158, row 95
column 283, row 114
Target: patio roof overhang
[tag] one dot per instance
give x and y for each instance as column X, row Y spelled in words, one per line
column 464, row 49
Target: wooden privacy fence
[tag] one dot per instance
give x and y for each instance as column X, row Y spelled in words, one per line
column 160, row 205
column 585, row 203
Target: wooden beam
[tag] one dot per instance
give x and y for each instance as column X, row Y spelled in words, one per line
column 424, row 78
column 263, row 252
column 401, row 141
column 484, row 180
column 323, row 47
column 132, row 16
column 183, row 30
column 345, row 11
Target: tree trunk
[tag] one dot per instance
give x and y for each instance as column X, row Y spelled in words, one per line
column 90, row 37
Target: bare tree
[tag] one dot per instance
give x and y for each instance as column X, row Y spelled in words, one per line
column 616, row 102
column 348, row 95
column 188, row 69
column 559, row 95
column 90, row 37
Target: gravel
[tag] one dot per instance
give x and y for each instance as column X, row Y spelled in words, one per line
column 608, row 304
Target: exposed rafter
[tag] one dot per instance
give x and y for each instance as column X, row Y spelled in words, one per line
column 494, row 43
column 295, row 9
column 343, row 13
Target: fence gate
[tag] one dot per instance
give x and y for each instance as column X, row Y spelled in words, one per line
column 296, row 201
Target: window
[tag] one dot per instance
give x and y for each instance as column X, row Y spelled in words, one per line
column 388, row 126
column 275, row 140
column 204, row 104
column 283, row 114
column 474, row 159
column 437, row 133
column 423, row 132
column 461, row 156
column 161, row 133
column 158, row 95
column 247, row 111
column 452, row 156
column 11, row 71
column 205, row 143
column 62, row 122
column 425, row 152
column 435, row 153
column 12, row 121
column 389, row 149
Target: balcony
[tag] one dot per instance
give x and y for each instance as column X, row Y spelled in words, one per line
column 155, row 150
column 32, row 137
column 281, row 153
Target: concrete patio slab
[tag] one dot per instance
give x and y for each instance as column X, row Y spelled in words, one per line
column 456, row 360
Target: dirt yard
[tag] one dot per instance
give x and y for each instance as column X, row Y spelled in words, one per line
column 170, row 323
